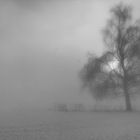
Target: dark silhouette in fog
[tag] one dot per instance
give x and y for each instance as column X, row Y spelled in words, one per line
column 117, row 70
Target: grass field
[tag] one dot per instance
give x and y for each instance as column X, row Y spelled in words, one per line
column 72, row 126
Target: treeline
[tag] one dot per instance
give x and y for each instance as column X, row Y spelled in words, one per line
column 65, row 107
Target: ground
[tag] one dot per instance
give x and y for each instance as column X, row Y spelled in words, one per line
column 72, row 126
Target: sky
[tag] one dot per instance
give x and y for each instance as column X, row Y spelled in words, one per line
column 43, row 46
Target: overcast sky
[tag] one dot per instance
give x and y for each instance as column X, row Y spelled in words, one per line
column 43, row 45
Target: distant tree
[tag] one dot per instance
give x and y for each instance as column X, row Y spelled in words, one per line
column 78, row 107
column 61, row 107
column 117, row 70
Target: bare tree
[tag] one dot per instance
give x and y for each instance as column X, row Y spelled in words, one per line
column 117, row 70
column 61, row 107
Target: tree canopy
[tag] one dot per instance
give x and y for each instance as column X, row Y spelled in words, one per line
column 117, row 70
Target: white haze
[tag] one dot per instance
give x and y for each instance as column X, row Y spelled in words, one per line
column 43, row 45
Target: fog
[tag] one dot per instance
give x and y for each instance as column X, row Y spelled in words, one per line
column 43, row 45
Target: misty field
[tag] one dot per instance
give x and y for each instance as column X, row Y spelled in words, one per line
column 72, row 126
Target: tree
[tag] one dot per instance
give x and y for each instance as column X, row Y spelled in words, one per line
column 117, row 70
column 61, row 107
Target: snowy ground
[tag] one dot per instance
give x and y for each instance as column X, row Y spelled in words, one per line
column 73, row 126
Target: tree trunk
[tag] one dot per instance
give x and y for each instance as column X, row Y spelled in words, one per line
column 127, row 97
